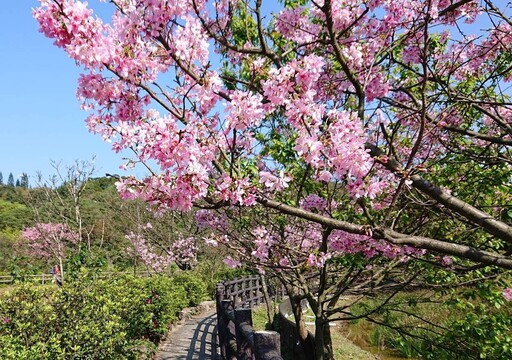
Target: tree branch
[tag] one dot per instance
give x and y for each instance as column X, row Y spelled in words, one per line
column 395, row 237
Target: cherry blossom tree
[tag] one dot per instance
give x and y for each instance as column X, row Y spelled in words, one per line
column 59, row 198
column 158, row 256
column 331, row 269
column 396, row 111
column 50, row 241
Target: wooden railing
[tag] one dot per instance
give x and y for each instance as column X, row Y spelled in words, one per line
column 42, row 278
column 237, row 338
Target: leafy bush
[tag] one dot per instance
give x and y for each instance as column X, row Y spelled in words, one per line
column 486, row 326
column 26, row 318
column 196, row 288
column 116, row 318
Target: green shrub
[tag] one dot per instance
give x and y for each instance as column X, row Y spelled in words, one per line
column 116, row 318
column 164, row 302
column 88, row 322
column 485, row 327
column 26, row 319
column 195, row 288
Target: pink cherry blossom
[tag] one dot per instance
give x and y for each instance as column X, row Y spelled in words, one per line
column 507, row 294
column 274, row 183
column 353, row 98
column 182, row 250
column 231, row 263
column 49, row 240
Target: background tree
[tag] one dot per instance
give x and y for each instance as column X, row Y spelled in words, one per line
column 52, row 242
column 10, row 180
column 14, row 215
column 1, row 178
column 60, row 197
column 13, row 218
column 24, row 180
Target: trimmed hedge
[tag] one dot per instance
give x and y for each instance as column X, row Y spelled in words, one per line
column 116, row 318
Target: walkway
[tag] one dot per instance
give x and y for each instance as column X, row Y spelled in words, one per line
column 195, row 339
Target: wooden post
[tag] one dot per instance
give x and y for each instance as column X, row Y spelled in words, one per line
column 243, row 317
column 229, row 327
column 61, row 273
column 243, row 294
column 227, row 290
column 259, row 298
column 267, row 345
column 236, row 294
column 222, row 322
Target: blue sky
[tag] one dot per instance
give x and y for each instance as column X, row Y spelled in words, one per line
column 40, row 117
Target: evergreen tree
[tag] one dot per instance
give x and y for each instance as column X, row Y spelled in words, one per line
column 18, row 184
column 24, row 181
column 10, row 180
column 1, row 178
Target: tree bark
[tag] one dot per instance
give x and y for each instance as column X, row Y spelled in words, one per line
column 323, row 340
column 301, row 326
column 268, row 301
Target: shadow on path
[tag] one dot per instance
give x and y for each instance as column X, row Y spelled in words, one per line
column 194, row 340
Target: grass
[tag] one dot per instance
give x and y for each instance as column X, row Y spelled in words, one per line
column 364, row 335
column 405, row 312
column 259, row 318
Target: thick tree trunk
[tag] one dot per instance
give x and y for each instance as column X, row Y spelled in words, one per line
column 323, row 341
column 301, row 327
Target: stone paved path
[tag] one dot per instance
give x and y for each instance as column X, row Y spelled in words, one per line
column 195, row 339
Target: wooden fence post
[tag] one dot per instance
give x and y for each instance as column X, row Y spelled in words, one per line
column 230, row 333
column 222, row 322
column 237, row 338
column 235, row 295
column 243, row 294
column 227, row 290
column 267, row 345
column 243, row 317
column 258, row 292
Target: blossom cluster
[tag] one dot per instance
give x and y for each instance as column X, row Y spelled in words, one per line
column 507, row 294
column 181, row 251
column 323, row 83
column 47, row 240
column 269, row 247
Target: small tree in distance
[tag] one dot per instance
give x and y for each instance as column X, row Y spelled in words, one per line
column 59, row 197
column 24, row 180
column 10, row 180
column 158, row 257
column 50, row 241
